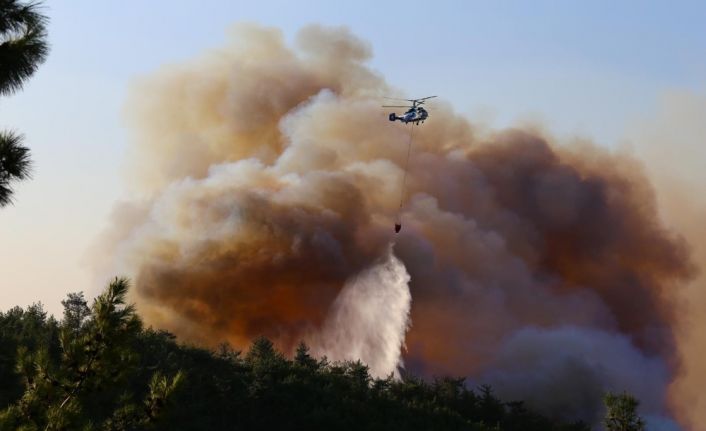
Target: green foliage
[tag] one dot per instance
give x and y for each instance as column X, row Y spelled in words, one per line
column 100, row 369
column 76, row 376
column 621, row 413
column 76, row 312
column 23, row 47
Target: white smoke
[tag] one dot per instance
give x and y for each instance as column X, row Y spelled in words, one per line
column 370, row 318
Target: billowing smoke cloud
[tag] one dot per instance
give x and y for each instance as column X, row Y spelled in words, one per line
column 267, row 182
column 588, row 363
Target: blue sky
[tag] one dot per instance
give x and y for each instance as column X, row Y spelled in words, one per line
column 587, row 68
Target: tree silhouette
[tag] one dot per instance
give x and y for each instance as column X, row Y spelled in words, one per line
column 14, row 164
column 23, row 47
column 621, row 413
column 303, row 358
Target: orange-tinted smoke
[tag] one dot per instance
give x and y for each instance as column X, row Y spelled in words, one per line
column 267, row 176
column 672, row 144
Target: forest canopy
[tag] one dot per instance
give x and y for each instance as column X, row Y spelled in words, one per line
column 99, row 368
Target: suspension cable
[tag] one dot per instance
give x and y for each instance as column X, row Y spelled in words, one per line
column 398, row 224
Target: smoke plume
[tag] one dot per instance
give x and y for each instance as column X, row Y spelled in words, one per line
column 672, row 144
column 267, row 179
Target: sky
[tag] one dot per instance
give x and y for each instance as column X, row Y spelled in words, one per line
column 590, row 69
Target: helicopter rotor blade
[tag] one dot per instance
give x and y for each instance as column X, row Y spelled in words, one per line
column 423, row 100
column 409, row 100
column 419, row 100
column 395, row 106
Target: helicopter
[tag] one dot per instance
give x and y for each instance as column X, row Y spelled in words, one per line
column 415, row 114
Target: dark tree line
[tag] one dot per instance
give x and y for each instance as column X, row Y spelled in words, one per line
column 98, row 368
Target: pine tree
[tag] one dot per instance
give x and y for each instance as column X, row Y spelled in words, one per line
column 621, row 413
column 22, row 50
column 76, row 311
column 87, row 381
column 303, row 358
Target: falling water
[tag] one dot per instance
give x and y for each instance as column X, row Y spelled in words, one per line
column 370, row 318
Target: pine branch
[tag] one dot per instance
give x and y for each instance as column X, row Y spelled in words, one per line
column 24, row 46
column 15, row 164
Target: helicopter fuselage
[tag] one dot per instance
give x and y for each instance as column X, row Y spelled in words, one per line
column 413, row 115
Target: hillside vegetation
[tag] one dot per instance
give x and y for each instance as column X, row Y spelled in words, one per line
column 99, row 368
